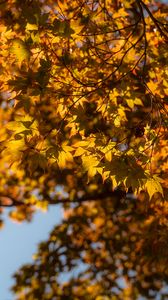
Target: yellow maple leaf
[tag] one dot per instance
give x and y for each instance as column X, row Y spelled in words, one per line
column 153, row 186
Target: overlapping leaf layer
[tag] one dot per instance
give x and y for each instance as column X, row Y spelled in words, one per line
column 83, row 120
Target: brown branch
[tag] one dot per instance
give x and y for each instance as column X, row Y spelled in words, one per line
column 9, row 201
column 153, row 19
column 97, row 197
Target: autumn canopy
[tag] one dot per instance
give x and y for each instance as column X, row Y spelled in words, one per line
column 83, row 123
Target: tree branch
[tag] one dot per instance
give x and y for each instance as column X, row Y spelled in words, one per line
column 96, row 197
column 153, row 19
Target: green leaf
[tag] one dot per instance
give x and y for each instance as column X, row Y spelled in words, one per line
column 20, row 50
column 62, row 28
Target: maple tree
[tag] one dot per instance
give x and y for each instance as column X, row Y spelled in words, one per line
column 83, row 119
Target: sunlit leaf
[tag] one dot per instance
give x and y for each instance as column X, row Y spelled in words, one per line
column 20, row 50
column 153, row 186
